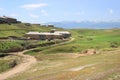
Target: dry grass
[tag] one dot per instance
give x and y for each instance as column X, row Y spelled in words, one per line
column 57, row 67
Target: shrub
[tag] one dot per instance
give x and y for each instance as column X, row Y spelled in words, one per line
column 114, row 44
column 7, row 64
column 10, row 46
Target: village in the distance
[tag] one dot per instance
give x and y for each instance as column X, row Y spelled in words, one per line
column 34, row 35
column 59, row 40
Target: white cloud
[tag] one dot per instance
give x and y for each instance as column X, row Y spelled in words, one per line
column 34, row 16
column 33, row 6
column 44, row 13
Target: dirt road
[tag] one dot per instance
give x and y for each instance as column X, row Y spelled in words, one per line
column 27, row 61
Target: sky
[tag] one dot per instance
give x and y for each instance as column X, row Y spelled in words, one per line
column 43, row 11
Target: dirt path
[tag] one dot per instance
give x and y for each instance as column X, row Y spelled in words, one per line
column 27, row 61
column 81, row 67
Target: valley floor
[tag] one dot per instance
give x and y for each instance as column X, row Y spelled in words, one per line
column 64, row 66
column 65, row 62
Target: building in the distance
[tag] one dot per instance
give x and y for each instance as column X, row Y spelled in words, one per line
column 50, row 25
column 48, row 35
column 65, row 34
column 32, row 35
column 6, row 19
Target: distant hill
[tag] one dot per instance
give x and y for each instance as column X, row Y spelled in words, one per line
column 19, row 29
column 86, row 24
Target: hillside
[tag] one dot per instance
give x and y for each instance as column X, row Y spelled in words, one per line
column 6, row 46
column 89, row 39
column 20, row 29
column 65, row 61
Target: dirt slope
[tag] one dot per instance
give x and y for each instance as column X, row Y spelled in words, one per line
column 27, row 61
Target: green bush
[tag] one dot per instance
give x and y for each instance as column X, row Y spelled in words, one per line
column 7, row 64
column 15, row 46
column 114, row 44
column 10, row 46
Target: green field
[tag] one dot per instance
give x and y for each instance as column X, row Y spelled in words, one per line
column 20, row 29
column 88, row 39
column 104, row 66
column 62, row 62
column 17, row 30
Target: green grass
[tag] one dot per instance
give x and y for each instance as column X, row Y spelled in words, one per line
column 46, row 46
column 89, row 39
column 4, row 65
column 84, row 39
column 9, row 46
column 57, row 66
column 19, row 45
column 20, row 29
column 8, row 61
column 54, row 62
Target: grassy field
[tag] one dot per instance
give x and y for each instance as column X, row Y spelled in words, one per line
column 88, row 39
column 17, row 30
column 11, row 46
column 102, row 66
column 20, row 29
column 63, row 62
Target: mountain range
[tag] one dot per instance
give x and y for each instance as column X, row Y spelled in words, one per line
column 86, row 24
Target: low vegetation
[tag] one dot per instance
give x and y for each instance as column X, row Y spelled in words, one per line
column 7, row 64
column 17, row 45
column 20, row 29
column 87, row 39
column 8, row 61
column 56, row 62
column 63, row 66
column 10, row 46
column 64, row 61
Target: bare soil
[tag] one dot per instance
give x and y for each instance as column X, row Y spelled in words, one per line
column 27, row 61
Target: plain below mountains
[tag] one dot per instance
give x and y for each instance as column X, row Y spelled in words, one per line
column 86, row 24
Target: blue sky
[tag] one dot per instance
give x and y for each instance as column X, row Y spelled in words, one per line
column 40, row 11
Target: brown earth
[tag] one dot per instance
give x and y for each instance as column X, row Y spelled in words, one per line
column 27, row 61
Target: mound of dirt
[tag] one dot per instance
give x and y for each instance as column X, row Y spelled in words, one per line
column 89, row 52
